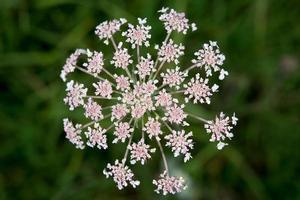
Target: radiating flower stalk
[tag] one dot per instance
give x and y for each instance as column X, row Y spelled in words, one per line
column 145, row 101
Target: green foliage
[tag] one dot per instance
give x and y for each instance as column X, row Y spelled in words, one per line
column 261, row 40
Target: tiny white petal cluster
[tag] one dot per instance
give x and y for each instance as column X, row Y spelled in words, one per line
column 106, row 29
column 95, row 62
column 220, row 129
column 139, row 34
column 70, row 64
column 121, row 58
column 169, row 51
column 93, row 110
column 145, row 67
column 96, row 136
column 169, row 184
column 180, row 143
column 121, row 175
column 118, row 111
column 103, row 89
column 173, row 77
column 75, row 95
column 123, row 83
column 144, row 96
column 174, row 21
column 73, row 133
column 175, row 114
column 122, row 131
column 152, row 127
column 163, row 99
column 211, row 59
column 140, row 152
column 198, row 89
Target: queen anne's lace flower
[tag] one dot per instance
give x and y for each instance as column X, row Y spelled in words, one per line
column 180, row 143
column 75, row 95
column 93, row 110
column 118, row 111
column 173, row 77
column 70, row 64
column 121, row 174
column 152, row 127
column 169, row 51
column 198, row 89
column 174, row 21
column 163, row 99
column 96, row 136
column 95, row 62
column 176, row 115
column 121, row 57
column 145, row 67
column 220, row 129
column 122, row 82
column 143, row 97
column 169, row 184
column 139, row 34
column 140, row 152
column 103, row 88
column 73, row 133
column 106, row 29
column 211, row 59
column 122, row 131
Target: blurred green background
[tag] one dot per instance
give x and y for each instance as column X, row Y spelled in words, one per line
column 261, row 40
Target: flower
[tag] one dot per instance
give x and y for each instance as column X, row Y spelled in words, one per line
column 70, row 64
column 173, row 77
column 95, row 62
column 211, row 59
column 180, row 143
column 123, row 83
column 104, row 89
column 106, row 29
column 73, row 133
column 169, row 184
column 96, row 136
column 152, row 127
column 169, row 51
column 121, row 57
column 118, row 111
column 198, row 89
column 145, row 67
column 75, row 95
column 145, row 96
column 121, row 174
column 220, row 129
column 163, row 99
column 122, row 131
column 175, row 114
column 174, row 21
column 140, row 152
column 93, row 110
column 139, row 34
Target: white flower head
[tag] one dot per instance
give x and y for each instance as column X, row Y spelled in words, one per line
column 138, row 35
column 220, row 129
column 211, row 59
column 121, row 175
column 181, row 143
column 96, row 137
column 75, row 94
column 107, row 29
column 169, row 51
column 144, row 96
column 169, row 184
column 73, row 133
